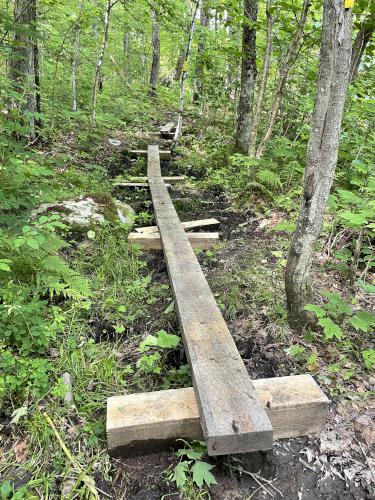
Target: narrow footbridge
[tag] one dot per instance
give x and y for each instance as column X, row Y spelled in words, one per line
column 232, row 413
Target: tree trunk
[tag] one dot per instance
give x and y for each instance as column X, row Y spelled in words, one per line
column 97, row 77
column 322, row 152
column 155, row 67
column 248, row 75
column 363, row 37
column 179, row 63
column 24, row 64
column 199, row 65
column 262, row 83
column 285, row 67
column 184, row 73
column 76, row 46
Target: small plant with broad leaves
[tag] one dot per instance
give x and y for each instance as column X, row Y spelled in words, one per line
column 192, row 471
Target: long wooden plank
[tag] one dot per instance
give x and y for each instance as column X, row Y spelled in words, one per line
column 152, row 241
column 193, row 224
column 139, row 185
column 232, row 418
column 152, row 421
column 164, row 155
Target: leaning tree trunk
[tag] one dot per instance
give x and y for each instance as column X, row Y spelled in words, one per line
column 155, row 67
column 199, row 65
column 322, row 152
column 248, row 75
column 362, row 39
column 262, row 83
column 285, row 67
column 185, row 72
column 24, row 64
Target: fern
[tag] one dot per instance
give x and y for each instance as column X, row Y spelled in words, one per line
column 268, row 178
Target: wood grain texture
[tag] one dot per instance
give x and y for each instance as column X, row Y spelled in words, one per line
column 153, row 421
column 139, row 185
column 169, row 179
column 152, row 241
column 164, row 155
column 166, row 130
column 193, row 224
column 232, row 418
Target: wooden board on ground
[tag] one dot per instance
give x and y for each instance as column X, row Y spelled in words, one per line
column 169, row 179
column 153, row 421
column 164, row 155
column 193, row 224
column 152, row 241
column 167, row 130
column 140, row 185
column 232, row 418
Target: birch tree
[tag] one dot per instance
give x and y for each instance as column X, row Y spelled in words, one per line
column 248, row 75
column 322, row 153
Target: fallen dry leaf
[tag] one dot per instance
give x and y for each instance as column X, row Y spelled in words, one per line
column 20, row 451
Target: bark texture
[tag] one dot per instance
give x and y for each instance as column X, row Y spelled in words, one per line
column 184, row 73
column 199, row 65
column 322, row 152
column 248, row 75
column 262, row 83
column 285, row 67
column 155, row 67
column 24, row 64
column 363, row 37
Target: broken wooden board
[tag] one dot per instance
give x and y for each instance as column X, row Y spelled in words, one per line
column 164, row 155
column 153, row 421
column 167, row 130
column 140, row 185
column 152, row 241
column 232, row 418
column 169, row 179
column 193, row 224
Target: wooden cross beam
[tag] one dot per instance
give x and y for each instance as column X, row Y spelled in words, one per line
column 193, row 224
column 152, row 241
column 164, row 155
column 154, row 421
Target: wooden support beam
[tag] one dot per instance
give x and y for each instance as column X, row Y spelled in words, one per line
column 232, row 418
column 166, row 130
column 169, row 179
column 143, row 185
column 152, row 241
column 147, row 422
column 194, row 224
column 164, row 155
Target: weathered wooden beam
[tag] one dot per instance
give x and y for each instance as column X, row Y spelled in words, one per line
column 152, row 241
column 232, row 418
column 193, row 224
column 164, row 155
column 166, row 130
column 152, row 421
column 170, row 179
column 143, row 185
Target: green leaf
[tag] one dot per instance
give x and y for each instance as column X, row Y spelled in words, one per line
column 295, row 350
column 201, row 474
column 4, row 267
column 167, row 340
column 32, row 243
column 349, row 196
column 5, row 490
column 330, row 328
column 319, row 311
column 179, row 474
column 368, row 356
column 148, row 342
column 362, row 320
column 353, row 219
column 190, row 453
column 91, row 235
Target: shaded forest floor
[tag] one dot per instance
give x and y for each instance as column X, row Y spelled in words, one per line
column 245, row 273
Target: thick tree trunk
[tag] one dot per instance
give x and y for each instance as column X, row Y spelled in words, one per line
column 199, row 65
column 285, row 66
column 322, row 152
column 248, row 75
column 155, row 67
column 363, row 37
column 98, row 81
column 262, row 83
column 184, row 73
column 24, row 64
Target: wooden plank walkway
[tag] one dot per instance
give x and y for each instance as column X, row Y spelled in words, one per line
column 153, row 421
column 193, row 224
column 152, row 241
column 233, row 419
